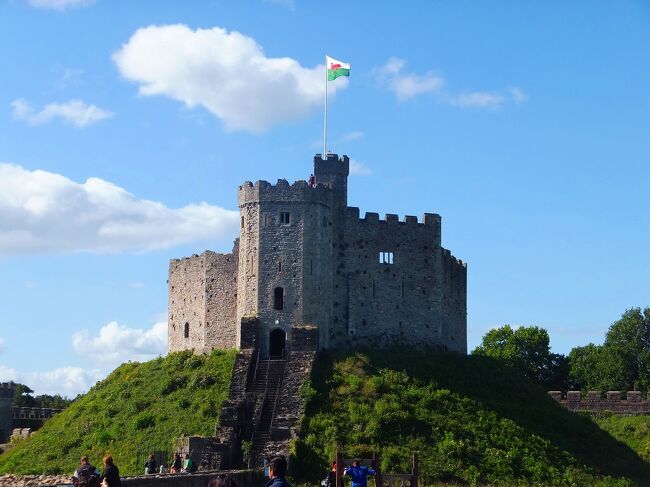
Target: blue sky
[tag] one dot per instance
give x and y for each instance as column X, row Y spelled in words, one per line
column 125, row 127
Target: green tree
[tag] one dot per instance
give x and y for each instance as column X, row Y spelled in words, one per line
column 528, row 350
column 622, row 362
column 23, row 396
column 593, row 367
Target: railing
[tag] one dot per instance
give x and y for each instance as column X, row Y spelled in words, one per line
column 277, row 394
column 257, row 364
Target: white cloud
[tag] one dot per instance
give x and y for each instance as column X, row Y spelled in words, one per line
column 42, row 211
column 359, row 169
column 478, row 99
column 116, row 343
column 408, row 85
column 355, row 135
column 59, row 4
column 75, row 112
column 67, row 381
column 225, row 72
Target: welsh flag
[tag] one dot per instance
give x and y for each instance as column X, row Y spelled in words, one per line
column 336, row 68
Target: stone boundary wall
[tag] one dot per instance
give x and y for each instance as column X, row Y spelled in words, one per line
column 612, row 401
column 243, row 478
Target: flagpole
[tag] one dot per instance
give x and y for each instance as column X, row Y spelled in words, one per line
column 324, row 155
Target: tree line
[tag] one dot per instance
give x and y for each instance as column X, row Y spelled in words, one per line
column 622, row 362
column 23, row 397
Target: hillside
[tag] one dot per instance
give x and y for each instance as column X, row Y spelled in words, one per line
column 634, row 431
column 471, row 419
column 138, row 407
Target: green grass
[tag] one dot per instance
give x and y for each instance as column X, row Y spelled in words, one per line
column 472, row 421
column 139, row 406
column 634, row 431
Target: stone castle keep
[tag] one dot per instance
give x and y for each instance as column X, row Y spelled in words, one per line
column 305, row 258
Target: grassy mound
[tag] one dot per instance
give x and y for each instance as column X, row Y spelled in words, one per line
column 472, row 420
column 139, row 407
column 634, row 431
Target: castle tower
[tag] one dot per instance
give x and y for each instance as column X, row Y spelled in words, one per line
column 285, row 257
column 7, row 391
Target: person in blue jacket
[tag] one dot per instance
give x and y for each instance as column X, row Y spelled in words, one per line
column 277, row 470
column 359, row 474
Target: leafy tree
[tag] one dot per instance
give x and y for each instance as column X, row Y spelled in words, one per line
column 628, row 342
column 593, row 367
column 23, row 398
column 622, row 362
column 528, row 350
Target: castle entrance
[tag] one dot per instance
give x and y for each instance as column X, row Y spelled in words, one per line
column 277, row 343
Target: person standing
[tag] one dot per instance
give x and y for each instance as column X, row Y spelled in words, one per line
column 277, row 471
column 111, row 474
column 359, row 474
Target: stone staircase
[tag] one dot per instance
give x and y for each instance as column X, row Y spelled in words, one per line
column 267, row 385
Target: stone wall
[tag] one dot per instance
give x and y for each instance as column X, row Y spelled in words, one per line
column 7, row 391
column 243, row 478
column 202, row 301
column 397, row 280
column 595, row 401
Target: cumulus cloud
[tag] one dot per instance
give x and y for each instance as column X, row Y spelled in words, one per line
column 75, row 112
column 41, row 211
column 359, row 169
column 59, row 4
column 227, row 73
column 407, row 85
column 117, row 343
column 67, row 381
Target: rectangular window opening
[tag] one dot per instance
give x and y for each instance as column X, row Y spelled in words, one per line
column 285, row 218
column 385, row 257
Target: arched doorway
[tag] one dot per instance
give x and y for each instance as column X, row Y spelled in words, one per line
column 277, row 343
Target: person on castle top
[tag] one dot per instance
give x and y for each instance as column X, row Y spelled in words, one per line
column 86, row 475
column 312, row 181
column 111, row 474
column 359, row 474
column 277, row 470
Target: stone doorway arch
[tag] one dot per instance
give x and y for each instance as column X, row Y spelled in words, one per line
column 277, row 343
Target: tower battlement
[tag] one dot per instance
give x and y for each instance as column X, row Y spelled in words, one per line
column 299, row 191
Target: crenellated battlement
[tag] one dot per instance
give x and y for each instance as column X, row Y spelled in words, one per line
column 450, row 260
column 282, row 191
column 595, row 401
column 430, row 221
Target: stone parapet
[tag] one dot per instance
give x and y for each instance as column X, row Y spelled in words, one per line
column 611, row 401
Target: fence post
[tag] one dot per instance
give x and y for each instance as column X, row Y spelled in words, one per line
column 339, row 466
column 376, row 467
column 415, row 473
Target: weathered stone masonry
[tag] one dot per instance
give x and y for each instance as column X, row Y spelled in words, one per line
column 304, row 256
column 308, row 273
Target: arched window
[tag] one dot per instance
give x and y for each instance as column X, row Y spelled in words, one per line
column 278, row 298
column 187, row 330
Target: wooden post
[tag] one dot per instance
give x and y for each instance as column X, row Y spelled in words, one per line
column 415, row 472
column 375, row 467
column 339, row 468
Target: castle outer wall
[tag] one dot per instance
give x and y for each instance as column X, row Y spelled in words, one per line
column 305, row 258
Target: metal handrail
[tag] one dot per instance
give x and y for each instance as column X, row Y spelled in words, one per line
column 277, row 392
column 257, row 364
